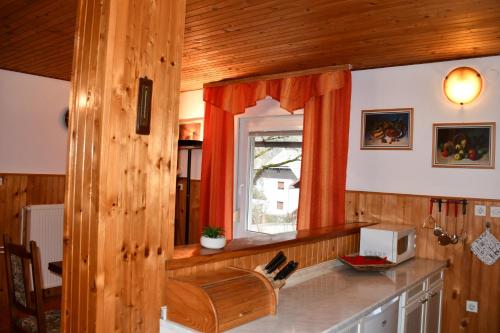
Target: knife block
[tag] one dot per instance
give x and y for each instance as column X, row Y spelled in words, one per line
column 219, row 300
column 277, row 285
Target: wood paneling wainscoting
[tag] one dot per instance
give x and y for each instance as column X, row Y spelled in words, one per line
column 306, row 255
column 17, row 191
column 467, row 278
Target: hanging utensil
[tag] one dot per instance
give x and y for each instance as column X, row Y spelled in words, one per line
column 438, row 231
column 444, row 239
column 429, row 220
column 463, row 233
column 454, row 238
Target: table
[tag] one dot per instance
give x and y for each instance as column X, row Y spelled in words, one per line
column 56, row 267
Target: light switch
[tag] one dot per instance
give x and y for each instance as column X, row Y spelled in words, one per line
column 495, row 211
column 480, row 210
column 471, row 306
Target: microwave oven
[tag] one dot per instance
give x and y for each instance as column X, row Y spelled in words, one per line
column 396, row 242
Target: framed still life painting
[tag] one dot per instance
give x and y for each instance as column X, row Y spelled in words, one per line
column 390, row 129
column 463, row 145
column 191, row 129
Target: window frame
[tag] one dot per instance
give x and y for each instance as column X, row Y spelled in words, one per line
column 262, row 118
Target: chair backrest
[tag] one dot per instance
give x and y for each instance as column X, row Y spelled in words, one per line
column 19, row 263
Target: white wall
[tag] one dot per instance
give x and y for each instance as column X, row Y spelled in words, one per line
column 419, row 87
column 32, row 133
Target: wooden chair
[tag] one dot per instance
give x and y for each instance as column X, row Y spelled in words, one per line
column 26, row 314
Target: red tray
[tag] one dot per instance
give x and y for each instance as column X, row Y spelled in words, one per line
column 381, row 264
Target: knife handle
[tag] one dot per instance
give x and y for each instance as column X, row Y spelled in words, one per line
column 274, row 260
column 286, row 271
column 277, row 264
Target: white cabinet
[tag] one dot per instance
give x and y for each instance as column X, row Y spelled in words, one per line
column 354, row 328
column 421, row 306
column 412, row 316
column 383, row 319
column 433, row 309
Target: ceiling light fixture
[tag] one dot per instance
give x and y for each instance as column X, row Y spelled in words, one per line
column 462, row 85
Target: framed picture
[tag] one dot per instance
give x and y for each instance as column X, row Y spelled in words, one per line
column 390, row 129
column 463, row 145
column 191, row 129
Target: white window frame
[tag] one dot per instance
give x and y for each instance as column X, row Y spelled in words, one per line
column 267, row 116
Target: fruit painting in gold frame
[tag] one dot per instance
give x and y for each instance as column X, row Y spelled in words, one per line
column 388, row 129
column 463, row 145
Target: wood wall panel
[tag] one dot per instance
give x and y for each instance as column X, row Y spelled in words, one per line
column 236, row 38
column 306, row 255
column 17, row 191
column 120, row 191
column 466, row 278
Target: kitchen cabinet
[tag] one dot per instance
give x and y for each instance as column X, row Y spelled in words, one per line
column 384, row 319
column 354, row 328
column 421, row 311
column 433, row 309
column 413, row 317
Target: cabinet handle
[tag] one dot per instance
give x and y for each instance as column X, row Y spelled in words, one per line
column 423, row 300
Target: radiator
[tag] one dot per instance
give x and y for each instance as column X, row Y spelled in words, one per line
column 44, row 225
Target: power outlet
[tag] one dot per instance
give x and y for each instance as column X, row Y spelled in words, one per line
column 480, row 210
column 471, row 306
column 495, row 211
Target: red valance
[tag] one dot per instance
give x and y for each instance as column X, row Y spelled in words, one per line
column 292, row 92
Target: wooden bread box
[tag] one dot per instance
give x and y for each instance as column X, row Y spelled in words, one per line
column 219, row 300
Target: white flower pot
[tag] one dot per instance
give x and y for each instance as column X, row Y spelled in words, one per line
column 213, row 243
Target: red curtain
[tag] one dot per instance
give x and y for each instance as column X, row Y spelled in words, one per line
column 326, row 102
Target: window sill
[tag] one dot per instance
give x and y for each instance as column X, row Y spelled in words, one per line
column 194, row 254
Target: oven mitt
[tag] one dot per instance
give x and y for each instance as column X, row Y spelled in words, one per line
column 486, row 247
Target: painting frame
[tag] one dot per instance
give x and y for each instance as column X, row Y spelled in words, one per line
column 191, row 129
column 373, row 137
column 472, row 156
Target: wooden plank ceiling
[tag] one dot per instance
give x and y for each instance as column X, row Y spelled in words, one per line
column 239, row 38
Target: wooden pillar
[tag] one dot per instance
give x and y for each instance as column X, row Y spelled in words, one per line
column 120, row 187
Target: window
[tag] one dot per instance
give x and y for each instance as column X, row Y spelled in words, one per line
column 268, row 170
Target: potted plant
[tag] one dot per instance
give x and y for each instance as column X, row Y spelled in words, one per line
column 213, row 237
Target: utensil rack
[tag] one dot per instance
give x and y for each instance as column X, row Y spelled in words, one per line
column 462, row 202
column 441, row 229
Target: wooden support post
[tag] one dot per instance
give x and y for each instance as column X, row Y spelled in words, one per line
column 120, row 187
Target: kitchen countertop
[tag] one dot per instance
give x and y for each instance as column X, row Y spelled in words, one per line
column 330, row 296
column 328, row 302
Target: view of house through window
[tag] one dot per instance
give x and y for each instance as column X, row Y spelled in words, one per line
column 273, row 197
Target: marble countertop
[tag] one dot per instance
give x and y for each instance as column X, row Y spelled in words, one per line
column 327, row 302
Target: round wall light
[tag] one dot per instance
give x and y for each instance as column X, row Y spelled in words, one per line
column 462, row 85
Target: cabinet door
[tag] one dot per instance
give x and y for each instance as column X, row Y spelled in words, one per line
column 351, row 329
column 383, row 320
column 433, row 311
column 413, row 317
